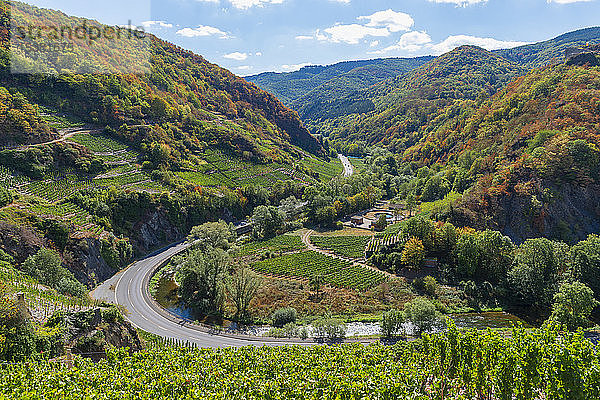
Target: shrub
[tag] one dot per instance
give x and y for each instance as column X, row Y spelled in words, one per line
column 331, row 329
column 422, row 314
column 573, row 305
column 427, row 285
column 391, row 323
column 284, row 316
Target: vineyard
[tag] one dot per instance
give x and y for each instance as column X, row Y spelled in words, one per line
column 81, row 221
column 220, row 169
column 327, row 170
column 529, row 365
column 41, row 301
column 279, row 244
column 385, row 240
column 345, row 246
column 333, row 271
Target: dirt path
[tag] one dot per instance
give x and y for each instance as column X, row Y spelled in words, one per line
column 306, row 240
column 63, row 134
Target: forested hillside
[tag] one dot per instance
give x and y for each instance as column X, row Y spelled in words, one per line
column 183, row 101
column 305, row 89
column 404, row 105
column 102, row 165
column 533, row 149
column 551, row 51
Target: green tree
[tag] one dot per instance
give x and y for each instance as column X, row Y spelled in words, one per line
column 411, row 203
column 242, row 288
column 380, row 224
column 391, row 323
column 46, row 267
column 202, row 276
column 537, row 269
column 496, row 256
column 573, row 305
column 422, row 314
column 213, row 235
column 268, row 220
column 585, row 262
column 316, row 283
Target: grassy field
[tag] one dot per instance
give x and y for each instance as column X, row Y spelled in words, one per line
column 345, row 246
column 334, row 272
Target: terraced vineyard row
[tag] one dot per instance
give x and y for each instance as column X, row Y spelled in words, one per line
column 345, row 246
column 327, row 170
column 56, row 187
column 282, row 243
column 41, row 301
column 8, row 180
column 99, row 143
column 334, row 272
column 385, row 240
column 70, row 213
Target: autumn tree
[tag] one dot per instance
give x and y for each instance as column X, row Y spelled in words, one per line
column 413, row 254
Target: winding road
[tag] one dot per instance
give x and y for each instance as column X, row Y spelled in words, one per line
column 348, row 167
column 130, row 289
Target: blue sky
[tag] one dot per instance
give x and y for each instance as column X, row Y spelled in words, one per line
column 252, row 36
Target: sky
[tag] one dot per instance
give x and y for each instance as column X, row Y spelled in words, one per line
column 253, row 36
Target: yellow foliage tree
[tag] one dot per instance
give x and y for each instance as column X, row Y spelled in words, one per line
column 413, row 254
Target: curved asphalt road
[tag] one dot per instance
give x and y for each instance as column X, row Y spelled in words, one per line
column 129, row 288
column 348, row 167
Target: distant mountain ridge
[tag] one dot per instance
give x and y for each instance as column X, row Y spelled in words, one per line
column 290, row 87
column 311, row 89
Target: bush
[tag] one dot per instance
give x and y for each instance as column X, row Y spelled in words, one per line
column 71, row 287
column 391, row 324
column 331, row 329
column 6, row 197
column 422, row 314
column 291, row 330
column 573, row 305
column 276, row 333
column 427, row 285
column 284, row 316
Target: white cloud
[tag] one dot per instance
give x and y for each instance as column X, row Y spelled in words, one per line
column 304, row 37
column 465, row 3
column 379, row 24
column 236, row 56
column 202, row 31
column 246, row 4
column 353, row 33
column 293, row 67
column 244, row 67
column 341, row 1
column 374, row 43
column 411, row 41
column 390, row 19
column 258, row 54
column 156, row 24
column 568, row 1
column 453, row 42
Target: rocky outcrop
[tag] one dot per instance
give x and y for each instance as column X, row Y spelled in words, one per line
column 153, row 231
column 90, row 333
column 568, row 212
column 85, row 261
